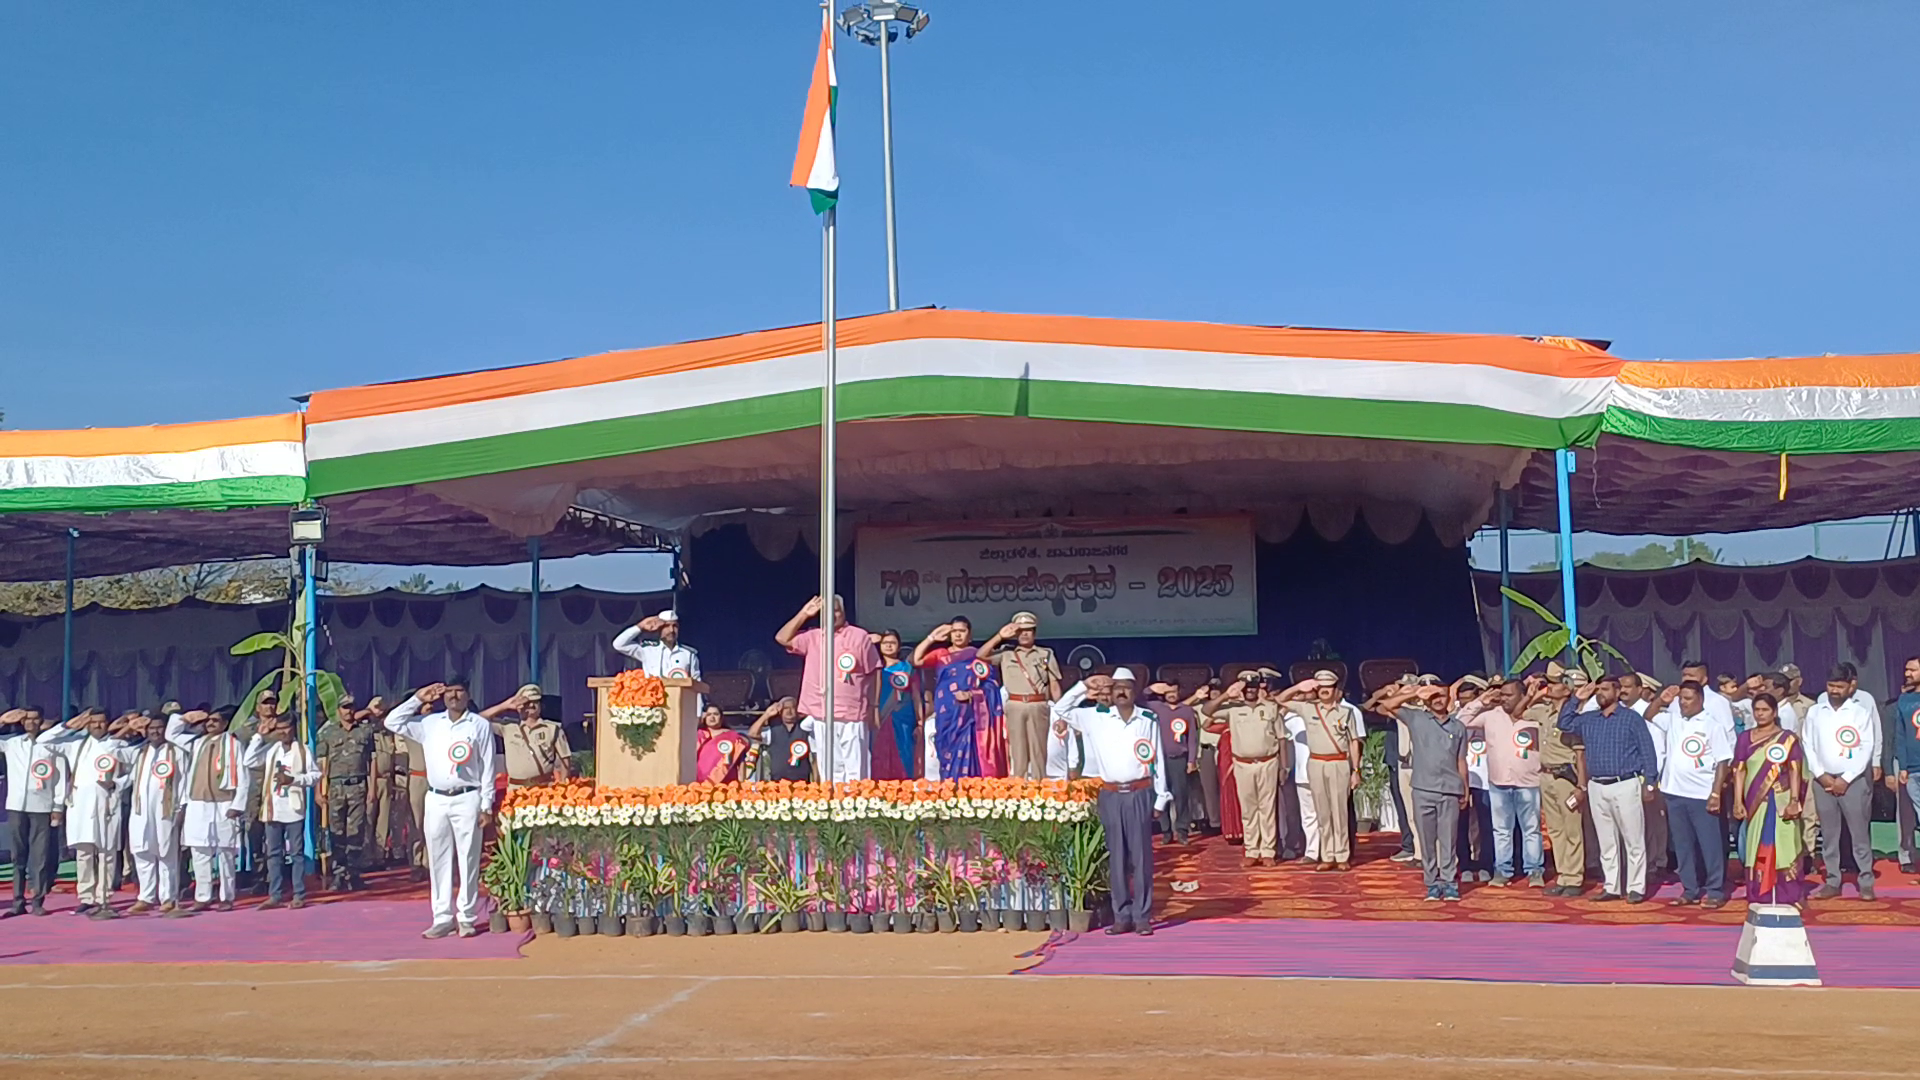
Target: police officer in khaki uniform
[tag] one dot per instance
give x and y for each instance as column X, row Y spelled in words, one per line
column 1030, row 676
column 537, row 749
column 1259, row 756
column 1332, row 729
column 1563, row 799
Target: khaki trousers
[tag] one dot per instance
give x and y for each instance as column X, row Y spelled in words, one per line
column 417, row 799
column 1332, row 785
column 1258, row 783
column 1565, row 831
column 93, row 873
column 1027, row 738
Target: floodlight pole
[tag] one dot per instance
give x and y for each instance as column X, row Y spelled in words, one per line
column 886, row 151
column 310, row 698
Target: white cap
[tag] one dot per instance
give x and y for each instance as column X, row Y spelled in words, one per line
column 668, row 615
column 1123, row 675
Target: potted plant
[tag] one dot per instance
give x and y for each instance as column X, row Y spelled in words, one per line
column 638, row 882
column 1372, row 792
column 775, row 886
column 505, row 879
column 1083, row 871
column 834, row 849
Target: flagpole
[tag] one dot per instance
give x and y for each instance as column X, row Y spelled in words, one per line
column 830, row 669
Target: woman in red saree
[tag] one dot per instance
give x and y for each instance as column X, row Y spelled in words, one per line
column 720, row 750
column 1231, row 827
column 1770, row 795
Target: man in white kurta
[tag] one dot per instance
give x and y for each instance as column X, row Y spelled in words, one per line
column 97, row 761
column 217, row 792
column 159, row 775
column 458, row 747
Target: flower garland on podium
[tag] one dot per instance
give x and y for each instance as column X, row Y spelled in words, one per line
column 637, row 705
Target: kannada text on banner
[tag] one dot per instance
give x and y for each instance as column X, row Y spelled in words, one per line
column 1161, row 577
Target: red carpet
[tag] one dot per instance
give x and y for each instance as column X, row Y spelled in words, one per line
column 1379, row 890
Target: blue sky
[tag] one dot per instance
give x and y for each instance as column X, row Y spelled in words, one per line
column 206, row 209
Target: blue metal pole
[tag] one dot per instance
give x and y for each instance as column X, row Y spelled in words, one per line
column 1506, row 581
column 310, row 699
column 66, row 636
column 533, row 620
column 1569, row 605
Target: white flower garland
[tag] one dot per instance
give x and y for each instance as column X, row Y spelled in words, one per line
column 842, row 808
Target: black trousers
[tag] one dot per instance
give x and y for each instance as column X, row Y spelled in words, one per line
column 1174, row 818
column 1127, row 818
column 30, row 839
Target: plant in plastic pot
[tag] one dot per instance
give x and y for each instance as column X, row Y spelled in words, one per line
column 675, row 925
column 723, row 924
column 497, row 922
column 968, row 920
column 859, row 922
column 699, row 924
column 639, row 924
column 563, row 924
column 543, row 922
column 790, row 920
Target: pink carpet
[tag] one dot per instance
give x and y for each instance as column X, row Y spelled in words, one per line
column 1854, row 956
column 359, row 931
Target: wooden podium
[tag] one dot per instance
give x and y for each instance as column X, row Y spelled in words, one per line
column 672, row 758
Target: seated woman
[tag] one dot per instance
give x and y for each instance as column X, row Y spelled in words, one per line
column 1770, row 795
column 719, row 749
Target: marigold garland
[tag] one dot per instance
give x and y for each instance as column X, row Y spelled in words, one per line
column 637, row 705
column 583, row 804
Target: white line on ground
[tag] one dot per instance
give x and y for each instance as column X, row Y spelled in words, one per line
column 589, row 1051
column 587, row 1055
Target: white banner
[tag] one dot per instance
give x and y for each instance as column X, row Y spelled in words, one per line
column 1158, row 577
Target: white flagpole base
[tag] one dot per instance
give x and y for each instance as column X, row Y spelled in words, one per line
column 1774, row 950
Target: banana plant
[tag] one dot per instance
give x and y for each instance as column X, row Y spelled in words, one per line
column 289, row 680
column 1558, row 638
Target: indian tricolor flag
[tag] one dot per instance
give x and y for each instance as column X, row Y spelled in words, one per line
column 814, row 167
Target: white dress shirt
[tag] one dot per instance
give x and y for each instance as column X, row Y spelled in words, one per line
column 1841, row 742
column 283, row 802
column 1695, row 746
column 459, row 753
column 36, row 775
column 1789, row 717
column 1296, row 728
column 1122, row 751
column 657, row 658
column 1063, row 751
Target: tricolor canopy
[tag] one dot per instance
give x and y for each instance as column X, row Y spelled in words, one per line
column 260, row 461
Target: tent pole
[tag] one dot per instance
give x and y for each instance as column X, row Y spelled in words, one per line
column 533, row 612
column 1569, row 605
column 828, row 631
column 66, row 636
column 1506, row 581
column 310, row 650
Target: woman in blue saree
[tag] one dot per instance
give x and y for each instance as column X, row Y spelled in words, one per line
column 969, row 738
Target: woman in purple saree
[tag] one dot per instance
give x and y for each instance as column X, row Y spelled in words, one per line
column 969, row 736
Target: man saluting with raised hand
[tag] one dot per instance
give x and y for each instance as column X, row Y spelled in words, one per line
column 458, row 746
column 1123, row 749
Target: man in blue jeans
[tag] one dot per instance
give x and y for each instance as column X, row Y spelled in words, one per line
column 1699, row 757
column 287, row 771
column 1513, row 774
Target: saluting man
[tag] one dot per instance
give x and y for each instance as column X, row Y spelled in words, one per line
column 537, row 749
column 36, row 802
column 218, row 787
column 1332, row 728
column 1122, row 746
column 458, row 747
column 154, row 819
column 98, row 761
column 345, row 749
column 1259, row 757
column 663, row 657
column 1030, row 677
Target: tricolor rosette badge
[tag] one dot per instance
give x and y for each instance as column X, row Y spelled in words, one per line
column 163, row 769
column 1524, row 740
column 901, row 679
column 797, row 751
column 42, row 772
column 1777, row 754
column 1179, row 727
column 1143, row 751
column 104, row 765
column 1848, row 737
column 460, row 753
column 1694, row 747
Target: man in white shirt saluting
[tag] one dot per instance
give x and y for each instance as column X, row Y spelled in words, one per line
column 1122, row 747
column 36, row 803
column 458, row 747
column 1842, row 735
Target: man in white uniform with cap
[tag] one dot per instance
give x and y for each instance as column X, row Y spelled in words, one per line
column 458, row 746
column 662, row 657
column 1122, row 747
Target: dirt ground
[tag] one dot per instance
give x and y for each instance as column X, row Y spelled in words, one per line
column 926, row 1006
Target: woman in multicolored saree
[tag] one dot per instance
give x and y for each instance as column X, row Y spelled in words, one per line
column 969, row 736
column 719, row 749
column 1770, row 792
